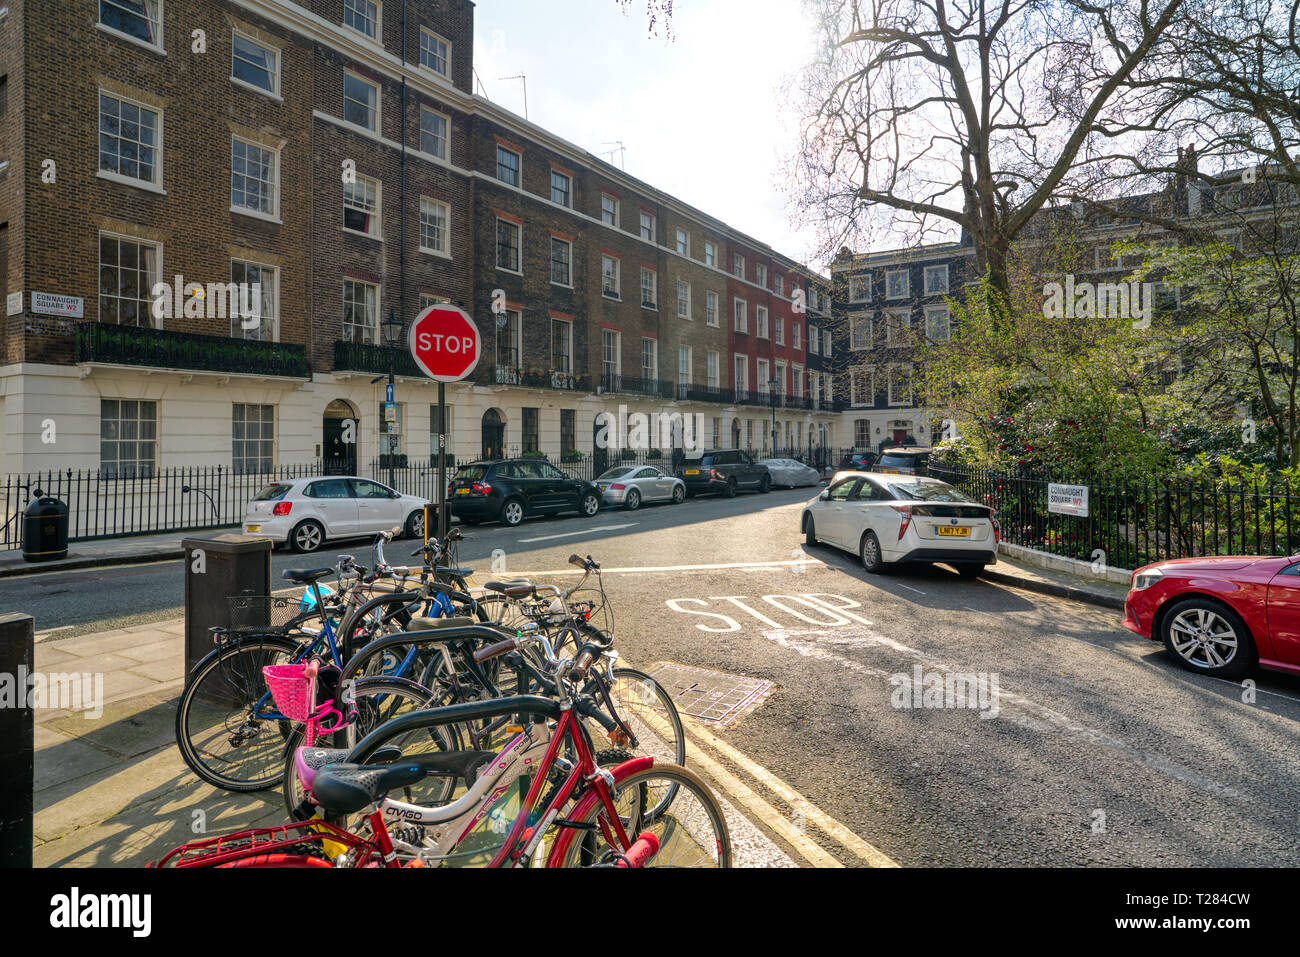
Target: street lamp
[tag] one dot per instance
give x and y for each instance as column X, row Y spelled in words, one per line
column 392, row 335
column 772, row 385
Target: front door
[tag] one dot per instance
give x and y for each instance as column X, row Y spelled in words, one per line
column 340, row 436
column 494, row 435
column 900, row 436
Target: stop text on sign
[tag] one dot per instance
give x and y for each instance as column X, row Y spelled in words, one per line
column 428, row 341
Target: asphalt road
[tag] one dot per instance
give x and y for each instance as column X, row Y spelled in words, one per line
column 1097, row 749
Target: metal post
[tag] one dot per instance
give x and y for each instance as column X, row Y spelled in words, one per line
column 17, row 732
column 442, row 461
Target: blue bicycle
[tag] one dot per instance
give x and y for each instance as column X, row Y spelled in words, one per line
column 228, row 728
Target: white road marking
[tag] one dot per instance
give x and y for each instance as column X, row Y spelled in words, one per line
column 585, row 531
column 909, row 588
column 1036, row 717
column 685, row 568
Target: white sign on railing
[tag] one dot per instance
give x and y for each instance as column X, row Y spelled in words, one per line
column 1067, row 499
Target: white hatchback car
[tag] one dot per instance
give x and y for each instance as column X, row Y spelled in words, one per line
column 303, row 513
column 890, row 519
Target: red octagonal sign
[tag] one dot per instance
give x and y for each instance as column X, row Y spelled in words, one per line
column 444, row 342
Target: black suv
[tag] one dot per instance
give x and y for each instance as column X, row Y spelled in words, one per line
column 857, row 461
column 724, row 471
column 904, row 461
column 510, row 489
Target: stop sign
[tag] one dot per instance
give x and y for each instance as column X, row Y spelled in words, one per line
column 444, row 342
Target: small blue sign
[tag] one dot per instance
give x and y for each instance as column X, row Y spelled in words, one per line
column 388, row 392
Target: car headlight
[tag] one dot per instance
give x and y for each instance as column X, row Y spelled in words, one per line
column 1146, row 578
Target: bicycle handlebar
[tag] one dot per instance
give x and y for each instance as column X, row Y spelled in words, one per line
column 495, row 650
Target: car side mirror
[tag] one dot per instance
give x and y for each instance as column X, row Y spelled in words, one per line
column 825, row 496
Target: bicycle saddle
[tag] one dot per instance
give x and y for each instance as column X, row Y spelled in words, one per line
column 347, row 788
column 515, row 589
column 428, row 624
column 305, row 576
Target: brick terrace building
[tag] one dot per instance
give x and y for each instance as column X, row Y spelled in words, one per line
column 333, row 152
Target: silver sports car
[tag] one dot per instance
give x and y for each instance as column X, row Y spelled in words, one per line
column 630, row 485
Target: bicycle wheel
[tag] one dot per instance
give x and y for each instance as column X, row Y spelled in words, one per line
column 227, row 727
column 379, row 700
column 692, row 832
column 647, row 709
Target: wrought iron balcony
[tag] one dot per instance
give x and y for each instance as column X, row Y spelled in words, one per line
column 540, row 379
column 705, row 393
column 656, row 388
column 164, row 349
column 352, row 356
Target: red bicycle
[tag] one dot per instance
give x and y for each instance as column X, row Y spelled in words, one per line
column 640, row 813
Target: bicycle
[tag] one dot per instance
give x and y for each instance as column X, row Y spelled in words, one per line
column 608, row 817
column 226, row 711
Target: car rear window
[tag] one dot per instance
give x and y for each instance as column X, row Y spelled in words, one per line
column 271, row 493
column 933, row 492
column 616, row 472
column 471, row 473
column 904, row 461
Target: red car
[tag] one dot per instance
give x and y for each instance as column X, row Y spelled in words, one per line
column 1220, row 616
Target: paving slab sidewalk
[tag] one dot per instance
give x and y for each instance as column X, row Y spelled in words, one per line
column 106, row 551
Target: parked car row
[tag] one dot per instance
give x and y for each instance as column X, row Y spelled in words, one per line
column 305, row 513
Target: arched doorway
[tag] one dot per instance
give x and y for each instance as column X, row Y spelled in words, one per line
column 339, row 431
column 494, row 435
column 735, row 433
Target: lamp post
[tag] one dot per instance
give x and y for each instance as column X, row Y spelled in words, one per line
column 772, row 385
column 392, row 335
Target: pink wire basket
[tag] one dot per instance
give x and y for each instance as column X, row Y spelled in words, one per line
column 294, row 689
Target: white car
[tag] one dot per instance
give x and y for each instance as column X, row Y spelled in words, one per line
column 890, row 519
column 303, row 513
column 791, row 473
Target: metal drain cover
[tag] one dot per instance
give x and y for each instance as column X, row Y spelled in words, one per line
column 713, row 696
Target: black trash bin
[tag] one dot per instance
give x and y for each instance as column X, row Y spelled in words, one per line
column 216, row 569
column 45, row 530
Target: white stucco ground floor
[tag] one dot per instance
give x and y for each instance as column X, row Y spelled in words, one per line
column 131, row 419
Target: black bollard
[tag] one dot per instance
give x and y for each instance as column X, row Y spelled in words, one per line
column 17, row 739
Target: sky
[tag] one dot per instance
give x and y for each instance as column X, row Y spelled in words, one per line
column 704, row 116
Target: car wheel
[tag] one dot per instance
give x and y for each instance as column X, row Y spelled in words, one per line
column 415, row 524
column 872, row 557
column 809, row 532
column 1208, row 637
column 590, row 504
column 512, row 512
column 730, row 490
column 307, row 536
column 679, row 494
column 633, row 500
column 765, row 484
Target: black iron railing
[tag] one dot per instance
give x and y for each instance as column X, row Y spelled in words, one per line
column 1133, row 522
column 364, row 357
column 163, row 349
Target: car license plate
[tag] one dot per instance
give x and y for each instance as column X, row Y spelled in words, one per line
column 249, row 529
column 958, row 531
column 462, row 491
column 692, row 472
column 888, row 471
